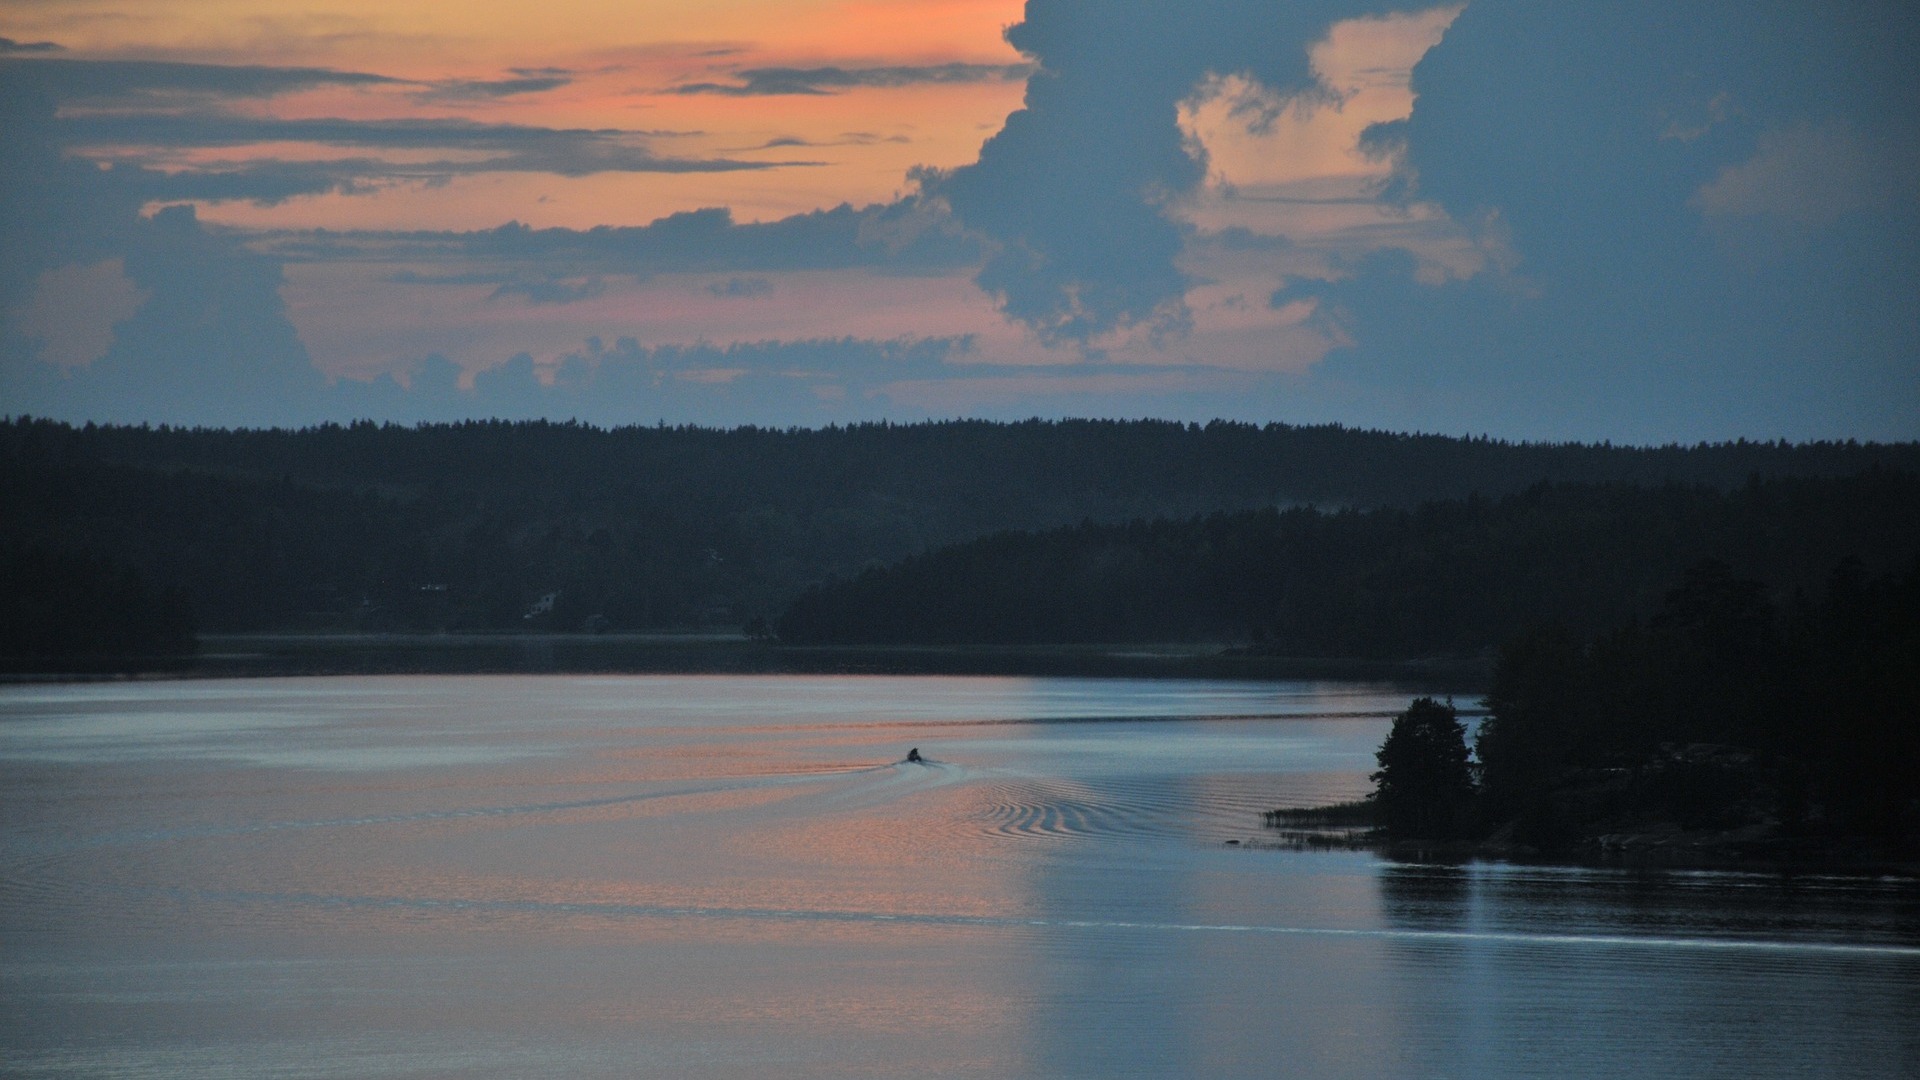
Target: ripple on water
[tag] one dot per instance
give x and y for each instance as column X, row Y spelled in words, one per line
column 1122, row 809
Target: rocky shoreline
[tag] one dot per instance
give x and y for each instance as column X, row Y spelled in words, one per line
column 1758, row 847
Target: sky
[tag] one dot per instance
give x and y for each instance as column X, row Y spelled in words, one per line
column 1631, row 221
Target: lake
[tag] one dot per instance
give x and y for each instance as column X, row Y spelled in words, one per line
column 739, row 876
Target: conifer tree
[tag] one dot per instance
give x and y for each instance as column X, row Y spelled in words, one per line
column 1425, row 784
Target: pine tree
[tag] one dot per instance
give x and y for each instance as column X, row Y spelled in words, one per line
column 1425, row 784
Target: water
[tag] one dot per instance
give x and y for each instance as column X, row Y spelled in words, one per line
column 738, row 877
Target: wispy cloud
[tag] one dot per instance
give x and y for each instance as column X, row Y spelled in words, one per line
column 773, row 81
column 212, row 129
column 135, row 83
column 741, row 288
column 851, row 138
column 553, row 290
column 533, row 287
column 906, row 237
column 265, row 182
column 506, row 148
column 457, row 90
column 142, row 115
column 130, row 81
column 271, row 182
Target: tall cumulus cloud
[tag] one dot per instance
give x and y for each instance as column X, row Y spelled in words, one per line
column 1702, row 216
column 1712, row 215
column 1074, row 187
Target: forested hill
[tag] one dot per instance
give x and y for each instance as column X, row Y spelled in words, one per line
column 1446, row 578
column 469, row 526
column 959, row 477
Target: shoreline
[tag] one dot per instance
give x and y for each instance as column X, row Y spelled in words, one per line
column 288, row 655
column 1657, row 848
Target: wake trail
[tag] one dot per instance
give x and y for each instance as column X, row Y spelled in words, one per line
column 148, row 836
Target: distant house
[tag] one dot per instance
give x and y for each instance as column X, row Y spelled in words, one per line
column 542, row 606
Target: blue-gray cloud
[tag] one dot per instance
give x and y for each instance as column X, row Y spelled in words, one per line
column 778, row 81
column 625, row 382
column 551, row 290
column 1711, row 207
column 227, row 129
column 148, row 111
column 272, row 181
column 53, row 208
column 8, row 45
column 143, row 82
column 1072, row 186
column 851, row 138
column 1709, row 210
column 771, row 383
column 513, row 148
column 123, row 81
column 454, row 90
column 905, row 237
column 1651, row 294
column 462, row 277
column 210, row 339
column 211, row 343
column 740, row 288
column 264, row 182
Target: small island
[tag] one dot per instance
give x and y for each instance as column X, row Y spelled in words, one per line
column 1726, row 730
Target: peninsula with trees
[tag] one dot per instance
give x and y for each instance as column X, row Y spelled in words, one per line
column 1726, row 729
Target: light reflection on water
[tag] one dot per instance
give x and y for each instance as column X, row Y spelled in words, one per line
column 734, row 877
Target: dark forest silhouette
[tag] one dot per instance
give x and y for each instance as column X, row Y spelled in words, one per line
column 1726, row 726
column 75, row 606
column 495, row 526
column 1445, row 578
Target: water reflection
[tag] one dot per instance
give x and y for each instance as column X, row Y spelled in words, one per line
column 713, row 877
column 1526, row 970
column 1427, row 896
column 1111, row 998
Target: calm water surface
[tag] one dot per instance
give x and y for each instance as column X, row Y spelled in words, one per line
column 738, row 877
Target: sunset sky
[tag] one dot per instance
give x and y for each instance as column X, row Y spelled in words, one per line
column 1629, row 221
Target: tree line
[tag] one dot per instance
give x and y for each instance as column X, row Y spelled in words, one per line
column 1445, row 578
column 471, row 526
